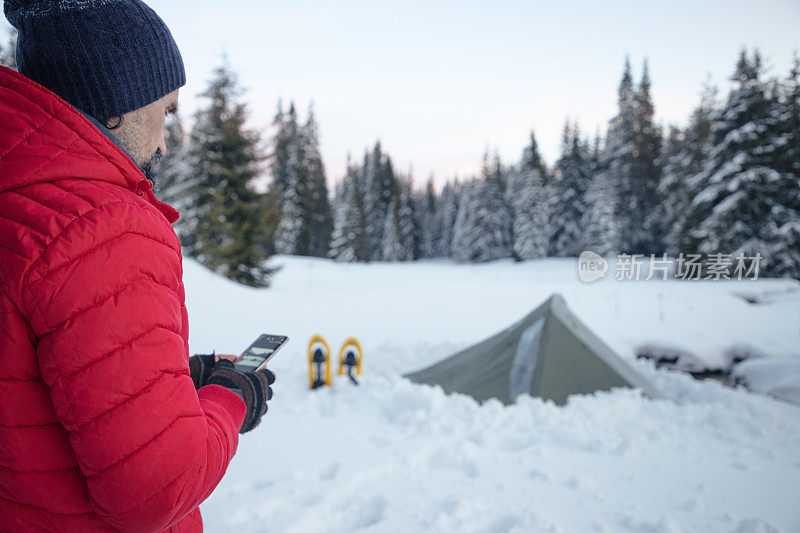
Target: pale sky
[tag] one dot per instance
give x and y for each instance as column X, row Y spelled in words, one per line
column 439, row 81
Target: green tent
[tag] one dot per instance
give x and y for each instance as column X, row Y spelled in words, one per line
column 549, row 353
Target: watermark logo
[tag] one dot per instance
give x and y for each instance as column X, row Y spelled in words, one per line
column 635, row 267
column 591, row 267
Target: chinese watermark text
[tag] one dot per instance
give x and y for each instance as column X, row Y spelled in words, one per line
column 635, row 267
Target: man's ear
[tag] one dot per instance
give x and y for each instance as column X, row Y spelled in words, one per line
column 113, row 122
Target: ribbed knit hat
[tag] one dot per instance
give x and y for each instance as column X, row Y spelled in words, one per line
column 105, row 57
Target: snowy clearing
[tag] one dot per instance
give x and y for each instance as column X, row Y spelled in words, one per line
column 394, row 456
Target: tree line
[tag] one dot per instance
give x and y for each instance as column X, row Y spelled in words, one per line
column 727, row 182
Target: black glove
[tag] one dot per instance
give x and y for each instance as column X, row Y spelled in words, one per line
column 200, row 367
column 253, row 387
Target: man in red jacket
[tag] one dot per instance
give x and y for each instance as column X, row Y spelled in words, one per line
column 105, row 422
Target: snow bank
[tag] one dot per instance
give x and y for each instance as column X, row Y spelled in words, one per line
column 394, row 456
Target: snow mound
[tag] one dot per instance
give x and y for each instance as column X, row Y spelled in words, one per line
column 779, row 378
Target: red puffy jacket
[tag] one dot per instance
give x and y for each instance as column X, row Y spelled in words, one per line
column 100, row 425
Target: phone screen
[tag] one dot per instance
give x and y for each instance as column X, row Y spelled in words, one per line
column 260, row 352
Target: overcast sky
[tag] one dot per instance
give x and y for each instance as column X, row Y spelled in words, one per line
column 439, row 81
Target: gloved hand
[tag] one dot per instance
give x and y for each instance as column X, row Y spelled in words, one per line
column 254, row 387
column 200, row 367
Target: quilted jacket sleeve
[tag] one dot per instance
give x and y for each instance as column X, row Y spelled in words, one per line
column 106, row 304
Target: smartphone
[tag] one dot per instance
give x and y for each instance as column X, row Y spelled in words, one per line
column 255, row 357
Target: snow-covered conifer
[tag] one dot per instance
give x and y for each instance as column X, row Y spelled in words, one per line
column 747, row 202
column 483, row 223
column 224, row 159
column 446, row 214
column 378, row 190
column 291, row 183
column 427, row 205
column 348, row 242
column 391, row 248
column 528, row 199
column 571, row 178
column 406, row 224
column 643, row 228
column 617, row 163
column 320, row 220
column 685, row 153
column 599, row 221
column 298, row 180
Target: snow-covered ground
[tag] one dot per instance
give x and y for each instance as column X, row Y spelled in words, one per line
column 395, row 456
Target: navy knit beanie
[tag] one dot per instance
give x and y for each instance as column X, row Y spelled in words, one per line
column 105, row 57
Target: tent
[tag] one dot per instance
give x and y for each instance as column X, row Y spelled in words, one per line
column 549, row 353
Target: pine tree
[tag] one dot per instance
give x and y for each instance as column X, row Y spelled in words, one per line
column 391, row 247
column 348, row 242
column 298, row 180
column 446, row 214
column 747, row 203
column 462, row 248
column 483, row 224
column 571, row 179
column 375, row 209
column 291, row 185
column 399, row 240
column 599, row 221
column 528, row 198
column 427, row 205
column 279, row 153
column 685, row 154
column 644, row 230
column 378, row 189
column 617, row 163
column 384, row 199
column 320, row 219
column 788, row 119
column 224, row 157
column 672, row 188
column 786, row 251
column 406, row 221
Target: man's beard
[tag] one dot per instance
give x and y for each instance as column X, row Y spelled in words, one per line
column 152, row 165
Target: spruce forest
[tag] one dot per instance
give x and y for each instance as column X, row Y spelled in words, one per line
column 728, row 182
